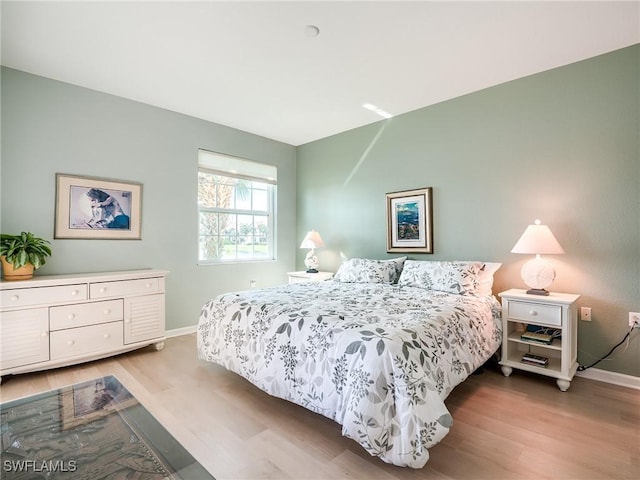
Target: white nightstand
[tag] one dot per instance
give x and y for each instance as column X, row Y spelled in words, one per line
column 300, row 277
column 557, row 311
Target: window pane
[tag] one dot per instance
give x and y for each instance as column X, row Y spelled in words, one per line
column 228, row 225
column 208, row 248
column 226, row 194
column 228, row 247
column 242, row 195
column 208, row 223
column 206, row 190
column 261, row 230
column 260, row 200
column 245, row 234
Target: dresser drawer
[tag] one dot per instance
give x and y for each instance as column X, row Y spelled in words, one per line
column 84, row 340
column 535, row 313
column 24, row 297
column 84, row 314
column 125, row 287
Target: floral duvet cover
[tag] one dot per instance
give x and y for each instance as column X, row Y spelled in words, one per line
column 377, row 358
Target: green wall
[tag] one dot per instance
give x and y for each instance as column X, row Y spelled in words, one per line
column 561, row 146
column 50, row 127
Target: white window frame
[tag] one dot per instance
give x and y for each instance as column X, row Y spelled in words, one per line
column 237, row 168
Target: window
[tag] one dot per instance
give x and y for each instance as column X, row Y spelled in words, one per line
column 236, row 207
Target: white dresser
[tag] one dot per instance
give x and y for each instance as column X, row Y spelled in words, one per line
column 57, row 320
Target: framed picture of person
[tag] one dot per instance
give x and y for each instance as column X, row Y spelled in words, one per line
column 89, row 207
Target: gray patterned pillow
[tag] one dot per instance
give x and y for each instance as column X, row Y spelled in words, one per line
column 397, row 263
column 363, row 270
column 461, row 278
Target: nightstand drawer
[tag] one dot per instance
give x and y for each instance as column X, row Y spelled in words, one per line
column 535, row 313
column 303, row 277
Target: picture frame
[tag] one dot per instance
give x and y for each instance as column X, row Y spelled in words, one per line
column 410, row 221
column 97, row 208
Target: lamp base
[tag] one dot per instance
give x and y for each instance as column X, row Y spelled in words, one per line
column 537, row 275
column 538, row 291
column 311, row 262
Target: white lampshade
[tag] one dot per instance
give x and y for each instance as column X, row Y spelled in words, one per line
column 537, row 239
column 537, row 273
column 312, row 240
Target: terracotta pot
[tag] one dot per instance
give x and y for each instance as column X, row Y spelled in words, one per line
column 10, row 274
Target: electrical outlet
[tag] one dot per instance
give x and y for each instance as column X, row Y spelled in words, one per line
column 634, row 319
column 252, row 284
column 585, row 314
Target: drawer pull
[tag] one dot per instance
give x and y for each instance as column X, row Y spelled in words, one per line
column 533, row 313
column 74, row 293
column 15, row 298
column 71, row 316
column 149, row 285
column 107, row 311
column 103, row 290
column 107, row 335
column 70, row 342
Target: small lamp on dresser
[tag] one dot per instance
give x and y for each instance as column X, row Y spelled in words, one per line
column 538, row 273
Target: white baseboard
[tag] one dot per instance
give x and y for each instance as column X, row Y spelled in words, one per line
column 611, row 377
column 176, row 332
column 592, row 373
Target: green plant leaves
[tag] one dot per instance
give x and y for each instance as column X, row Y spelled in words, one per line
column 24, row 248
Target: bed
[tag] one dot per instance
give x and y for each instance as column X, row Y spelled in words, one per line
column 378, row 349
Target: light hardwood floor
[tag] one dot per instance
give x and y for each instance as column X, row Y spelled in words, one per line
column 521, row 427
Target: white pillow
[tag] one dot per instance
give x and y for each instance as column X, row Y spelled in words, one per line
column 485, row 284
column 461, row 278
column 364, row 270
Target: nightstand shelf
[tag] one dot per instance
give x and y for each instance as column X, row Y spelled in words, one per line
column 514, row 336
column 557, row 311
column 516, row 357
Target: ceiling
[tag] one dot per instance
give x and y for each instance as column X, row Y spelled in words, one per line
column 252, row 66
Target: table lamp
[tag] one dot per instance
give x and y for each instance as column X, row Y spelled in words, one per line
column 537, row 273
column 312, row 241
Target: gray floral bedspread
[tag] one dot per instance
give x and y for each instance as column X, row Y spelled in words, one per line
column 378, row 359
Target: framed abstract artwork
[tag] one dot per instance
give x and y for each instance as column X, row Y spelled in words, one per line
column 410, row 221
column 88, row 207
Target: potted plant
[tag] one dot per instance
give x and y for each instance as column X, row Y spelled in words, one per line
column 22, row 254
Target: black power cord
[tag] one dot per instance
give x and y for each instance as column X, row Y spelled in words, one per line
column 582, row 368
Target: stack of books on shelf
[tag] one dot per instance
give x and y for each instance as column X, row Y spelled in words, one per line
column 536, row 337
column 537, row 360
